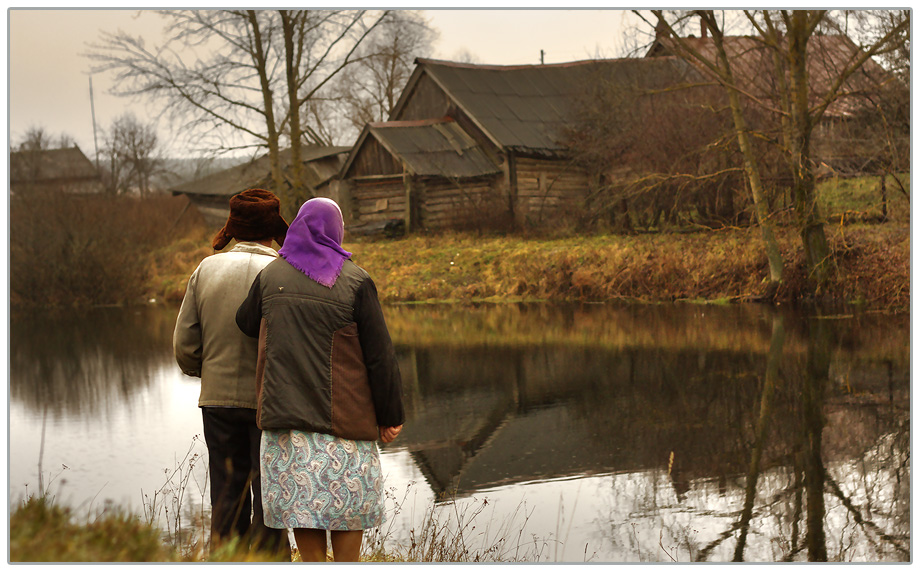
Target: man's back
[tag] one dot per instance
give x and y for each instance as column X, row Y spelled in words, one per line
column 216, row 350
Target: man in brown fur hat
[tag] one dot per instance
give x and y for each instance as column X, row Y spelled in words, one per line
column 209, row 345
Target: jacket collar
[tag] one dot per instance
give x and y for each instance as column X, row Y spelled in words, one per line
column 254, row 248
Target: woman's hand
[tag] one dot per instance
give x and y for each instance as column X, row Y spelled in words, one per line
column 387, row 434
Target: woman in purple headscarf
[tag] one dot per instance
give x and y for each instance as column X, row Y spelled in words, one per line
column 328, row 387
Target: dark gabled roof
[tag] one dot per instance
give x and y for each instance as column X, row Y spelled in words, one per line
column 434, row 148
column 523, row 108
column 257, row 173
column 752, row 65
column 51, row 165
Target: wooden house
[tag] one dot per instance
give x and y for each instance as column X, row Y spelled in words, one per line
column 472, row 145
column 53, row 170
column 841, row 141
column 211, row 194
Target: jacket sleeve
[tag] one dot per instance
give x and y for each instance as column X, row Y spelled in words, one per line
column 187, row 341
column 249, row 314
column 379, row 357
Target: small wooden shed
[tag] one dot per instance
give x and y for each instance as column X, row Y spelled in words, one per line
column 429, row 173
column 211, row 194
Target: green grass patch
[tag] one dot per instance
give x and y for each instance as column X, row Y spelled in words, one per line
column 861, row 198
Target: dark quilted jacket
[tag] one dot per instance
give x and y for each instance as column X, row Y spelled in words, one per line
column 326, row 362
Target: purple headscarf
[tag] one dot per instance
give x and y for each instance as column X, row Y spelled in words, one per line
column 314, row 239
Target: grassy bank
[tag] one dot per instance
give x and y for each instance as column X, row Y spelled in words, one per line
column 873, row 262
column 97, row 250
column 41, row 531
column 872, row 259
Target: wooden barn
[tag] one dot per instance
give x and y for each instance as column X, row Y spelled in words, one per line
column 211, row 194
column 478, row 145
column 53, row 170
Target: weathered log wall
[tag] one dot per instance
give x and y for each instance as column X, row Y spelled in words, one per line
column 548, row 189
column 470, row 203
column 378, row 200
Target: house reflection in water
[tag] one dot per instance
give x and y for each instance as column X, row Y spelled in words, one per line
column 478, row 418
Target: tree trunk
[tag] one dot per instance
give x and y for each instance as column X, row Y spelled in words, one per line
column 292, row 52
column 274, row 156
column 883, row 189
column 774, row 258
column 808, row 216
column 763, row 422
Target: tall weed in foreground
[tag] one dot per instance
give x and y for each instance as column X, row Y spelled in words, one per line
column 452, row 531
column 42, row 531
column 174, row 506
column 88, row 249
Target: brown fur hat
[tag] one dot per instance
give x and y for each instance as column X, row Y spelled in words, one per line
column 255, row 214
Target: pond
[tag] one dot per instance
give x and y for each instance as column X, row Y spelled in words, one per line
column 538, row 432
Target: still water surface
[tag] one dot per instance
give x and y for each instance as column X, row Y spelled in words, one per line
column 568, row 433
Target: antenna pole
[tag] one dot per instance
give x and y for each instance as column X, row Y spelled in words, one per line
column 92, row 106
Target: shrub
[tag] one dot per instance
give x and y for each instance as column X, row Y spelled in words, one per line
column 88, row 249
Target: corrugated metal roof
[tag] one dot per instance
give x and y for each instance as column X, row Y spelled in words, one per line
column 257, row 173
column 526, row 107
column 434, row 148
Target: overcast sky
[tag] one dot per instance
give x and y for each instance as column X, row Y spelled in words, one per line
column 49, row 85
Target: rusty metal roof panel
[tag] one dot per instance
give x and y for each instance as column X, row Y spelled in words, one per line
column 434, row 148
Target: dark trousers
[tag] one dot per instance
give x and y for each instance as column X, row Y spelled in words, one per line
column 233, row 440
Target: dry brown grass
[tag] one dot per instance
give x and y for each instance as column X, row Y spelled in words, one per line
column 874, row 264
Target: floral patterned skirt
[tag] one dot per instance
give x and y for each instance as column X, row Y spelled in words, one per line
column 314, row 480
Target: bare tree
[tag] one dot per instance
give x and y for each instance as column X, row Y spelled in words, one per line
column 788, row 34
column 237, row 79
column 650, row 168
column 368, row 90
column 132, row 155
column 36, row 138
column 721, row 69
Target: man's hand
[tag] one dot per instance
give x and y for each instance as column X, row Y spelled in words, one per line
column 387, row 434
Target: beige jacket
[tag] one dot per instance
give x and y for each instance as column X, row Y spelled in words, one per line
column 207, row 342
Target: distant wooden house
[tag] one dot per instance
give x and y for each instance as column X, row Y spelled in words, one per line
column 836, row 141
column 211, row 194
column 469, row 145
column 53, row 170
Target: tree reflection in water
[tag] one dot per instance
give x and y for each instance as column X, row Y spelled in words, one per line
column 827, row 473
column 80, row 363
